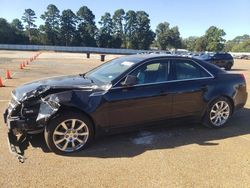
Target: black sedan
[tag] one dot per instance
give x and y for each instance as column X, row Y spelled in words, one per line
column 224, row 60
column 122, row 93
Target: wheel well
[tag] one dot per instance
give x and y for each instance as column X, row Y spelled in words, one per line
column 74, row 109
column 229, row 65
column 231, row 101
column 228, row 98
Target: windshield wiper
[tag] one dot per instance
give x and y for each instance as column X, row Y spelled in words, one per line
column 82, row 75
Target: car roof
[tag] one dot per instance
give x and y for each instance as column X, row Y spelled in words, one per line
column 137, row 58
column 142, row 57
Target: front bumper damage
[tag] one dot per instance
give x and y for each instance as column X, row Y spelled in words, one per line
column 17, row 141
column 17, row 145
column 19, row 129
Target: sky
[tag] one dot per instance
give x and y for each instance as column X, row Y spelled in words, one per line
column 193, row 17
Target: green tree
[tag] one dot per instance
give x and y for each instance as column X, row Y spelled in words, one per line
column 37, row 36
column 118, row 30
column 51, row 27
column 10, row 34
column 87, row 28
column 242, row 46
column 19, row 35
column 105, row 38
column 162, row 35
column 201, row 44
column 29, row 18
column 6, row 32
column 229, row 45
column 16, row 23
column 68, row 27
column 167, row 37
column 130, row 29
column 214, row 38
column 137, row 30
column 240, row 39
column 189, row 43
column 175, row 39
column 144, row 34
column 235, row 43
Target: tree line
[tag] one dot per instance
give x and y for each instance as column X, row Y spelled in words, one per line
column 122, row 29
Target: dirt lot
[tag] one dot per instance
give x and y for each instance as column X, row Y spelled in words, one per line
column 182, row 155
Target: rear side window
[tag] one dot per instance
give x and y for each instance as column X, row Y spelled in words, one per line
column 186, row 69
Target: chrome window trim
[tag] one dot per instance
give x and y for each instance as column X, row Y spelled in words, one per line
column 203, row 78
column 171, row 81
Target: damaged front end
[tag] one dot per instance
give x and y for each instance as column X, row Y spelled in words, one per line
column 17, row 136
column 17, row 144
column 33, row 104
column 27, row 116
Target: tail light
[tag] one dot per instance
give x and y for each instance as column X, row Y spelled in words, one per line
column 244, row 78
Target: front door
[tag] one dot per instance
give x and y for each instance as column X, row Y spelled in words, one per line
column 149, row 100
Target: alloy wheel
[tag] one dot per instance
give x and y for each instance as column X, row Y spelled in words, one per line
column 219, row 113
column 70, row 135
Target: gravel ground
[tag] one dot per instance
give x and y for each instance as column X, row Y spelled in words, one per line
column 178, row 155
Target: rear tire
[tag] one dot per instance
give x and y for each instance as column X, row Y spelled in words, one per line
column 228, row 66
column 69, row 132
column 218, row 113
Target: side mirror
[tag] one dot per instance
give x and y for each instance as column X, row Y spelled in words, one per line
column 130, row 80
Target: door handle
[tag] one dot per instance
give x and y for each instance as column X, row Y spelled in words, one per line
column 163, row 93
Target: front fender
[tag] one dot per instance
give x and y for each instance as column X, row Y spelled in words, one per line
column 77, row 99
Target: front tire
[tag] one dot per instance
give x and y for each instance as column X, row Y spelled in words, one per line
column 69, row 132
column 218, row 113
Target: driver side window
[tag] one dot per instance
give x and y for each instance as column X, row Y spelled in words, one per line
column 152, row 72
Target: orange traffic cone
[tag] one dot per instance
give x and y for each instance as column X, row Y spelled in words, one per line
column 21, row 66
column 8, row 74
column 1, row 82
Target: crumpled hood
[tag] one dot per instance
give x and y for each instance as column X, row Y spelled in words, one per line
column 40, row 86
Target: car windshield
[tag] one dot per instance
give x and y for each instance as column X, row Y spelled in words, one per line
column 205, row 56
column 111, row 70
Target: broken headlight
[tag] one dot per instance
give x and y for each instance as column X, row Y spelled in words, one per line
column 53, row 104
column 48, row 107
column 30, row 110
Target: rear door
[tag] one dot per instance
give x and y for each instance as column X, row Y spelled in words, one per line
column 191, row 82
